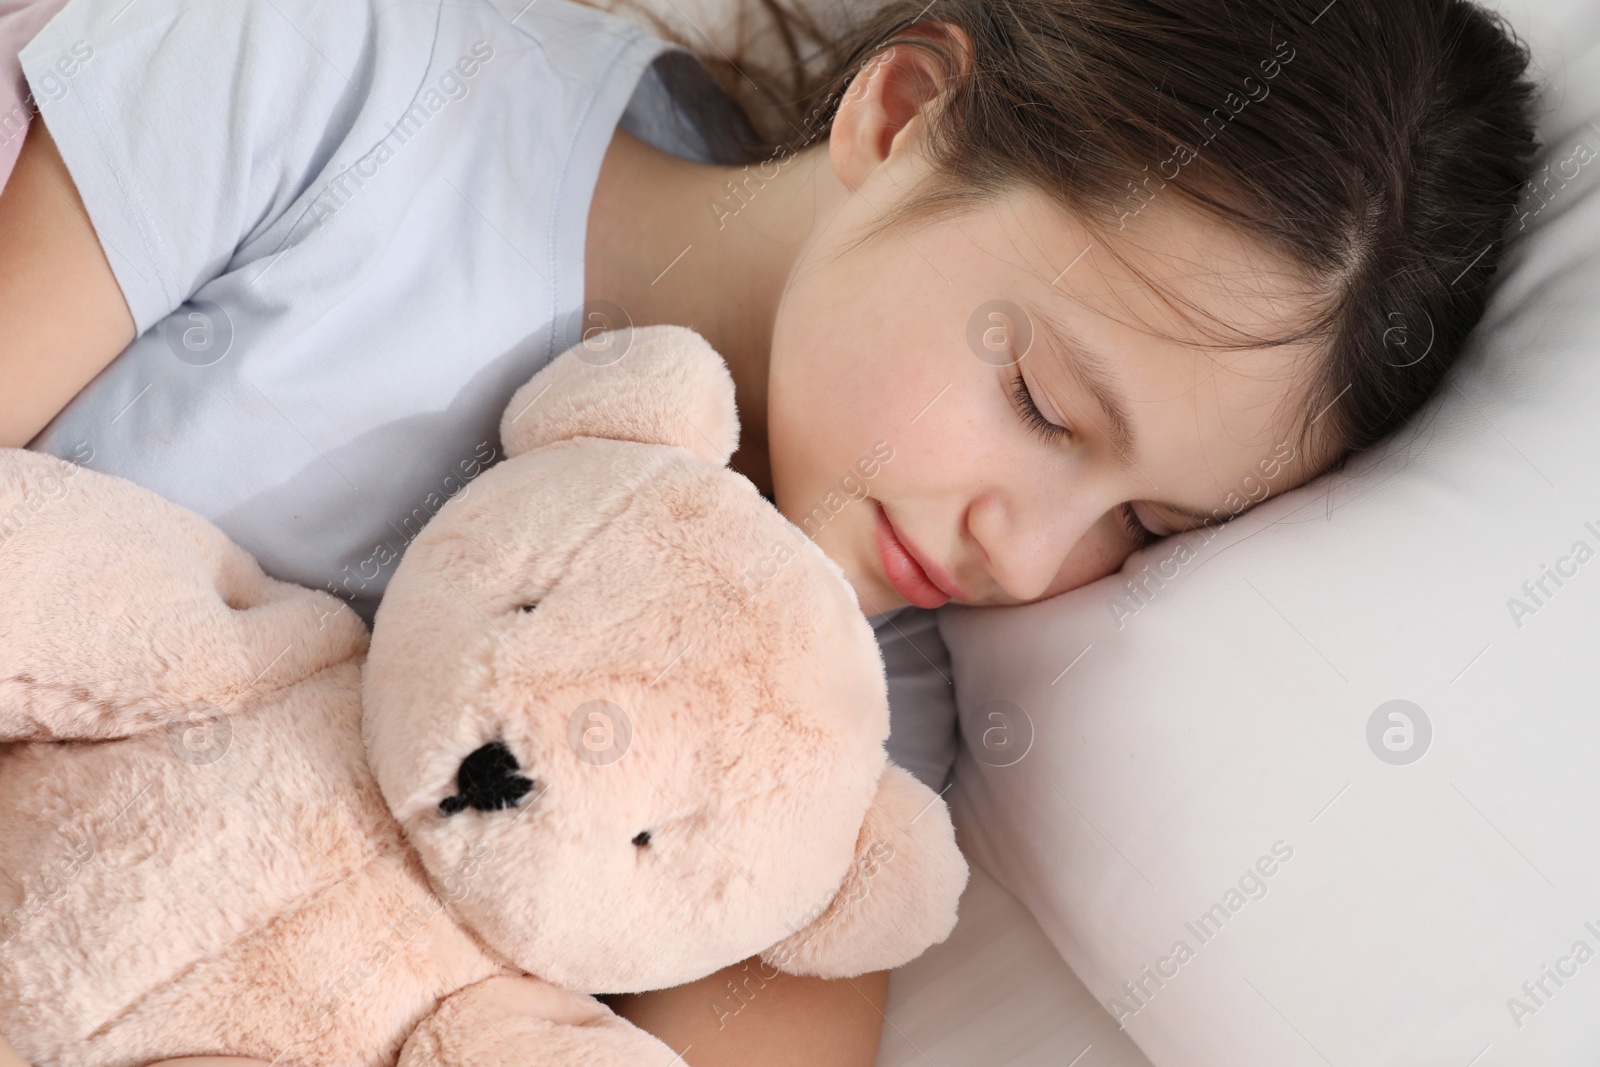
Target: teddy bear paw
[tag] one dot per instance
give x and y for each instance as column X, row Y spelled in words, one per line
column 514, row 1021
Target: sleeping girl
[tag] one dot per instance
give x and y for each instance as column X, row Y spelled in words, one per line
column 1062, row 274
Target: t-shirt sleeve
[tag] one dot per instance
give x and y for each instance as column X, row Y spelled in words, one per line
column 188, row 125
column 19, row 23
column 922, row 705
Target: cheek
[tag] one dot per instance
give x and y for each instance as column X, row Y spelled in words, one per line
column 846, row 384
column 1101, row 551
column 818, row 424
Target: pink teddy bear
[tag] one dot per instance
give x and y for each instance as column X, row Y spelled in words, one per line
column 580, row 752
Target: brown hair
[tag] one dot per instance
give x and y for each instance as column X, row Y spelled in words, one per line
column 1379, row 145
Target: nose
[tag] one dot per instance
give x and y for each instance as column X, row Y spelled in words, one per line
column 487, row 780
column 1027, row 544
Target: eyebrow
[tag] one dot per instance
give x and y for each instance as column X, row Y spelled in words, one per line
column 1092, row 370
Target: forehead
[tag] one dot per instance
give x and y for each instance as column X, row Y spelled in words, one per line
column 1178, row 306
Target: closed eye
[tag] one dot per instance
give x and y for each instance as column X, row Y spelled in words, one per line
column 1141, row 534
column 1032, row 415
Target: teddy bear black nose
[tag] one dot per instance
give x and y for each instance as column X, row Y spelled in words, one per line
column 488, row 780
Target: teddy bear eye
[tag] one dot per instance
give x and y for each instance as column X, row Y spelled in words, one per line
column 642, row 838
column 529, row 607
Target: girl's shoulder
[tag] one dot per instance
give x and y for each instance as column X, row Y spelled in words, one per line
column 347, row 233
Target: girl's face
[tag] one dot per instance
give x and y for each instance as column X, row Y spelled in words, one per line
column 895, row 423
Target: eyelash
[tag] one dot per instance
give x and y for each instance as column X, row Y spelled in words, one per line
column 1031, row 414
column 1141, row 534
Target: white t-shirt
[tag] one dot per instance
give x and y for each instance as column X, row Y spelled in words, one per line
column 347, row 233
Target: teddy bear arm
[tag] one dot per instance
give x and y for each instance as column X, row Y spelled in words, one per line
column 122, row 612
column 510, row 1021
column 899, row 897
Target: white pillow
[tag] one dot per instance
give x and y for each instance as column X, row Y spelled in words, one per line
column 1217, row 766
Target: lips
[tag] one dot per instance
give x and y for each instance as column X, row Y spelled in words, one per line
column 902, row 569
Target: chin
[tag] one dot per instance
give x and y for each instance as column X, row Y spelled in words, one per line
column 841, row 541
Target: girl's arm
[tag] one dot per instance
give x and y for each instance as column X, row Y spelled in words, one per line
column 748, row 1015
column 738, row 1017
column 8, row 1055
column 62, row 314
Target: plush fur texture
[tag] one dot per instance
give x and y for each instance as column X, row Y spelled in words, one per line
column 231, row 822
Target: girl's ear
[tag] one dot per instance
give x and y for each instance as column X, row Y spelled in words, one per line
column 670, row 387
column 899, row 896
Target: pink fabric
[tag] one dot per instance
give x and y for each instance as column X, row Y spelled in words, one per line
column 20, row 22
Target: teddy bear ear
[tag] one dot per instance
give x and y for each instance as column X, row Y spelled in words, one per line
column 669, row 387
column 899, row 895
